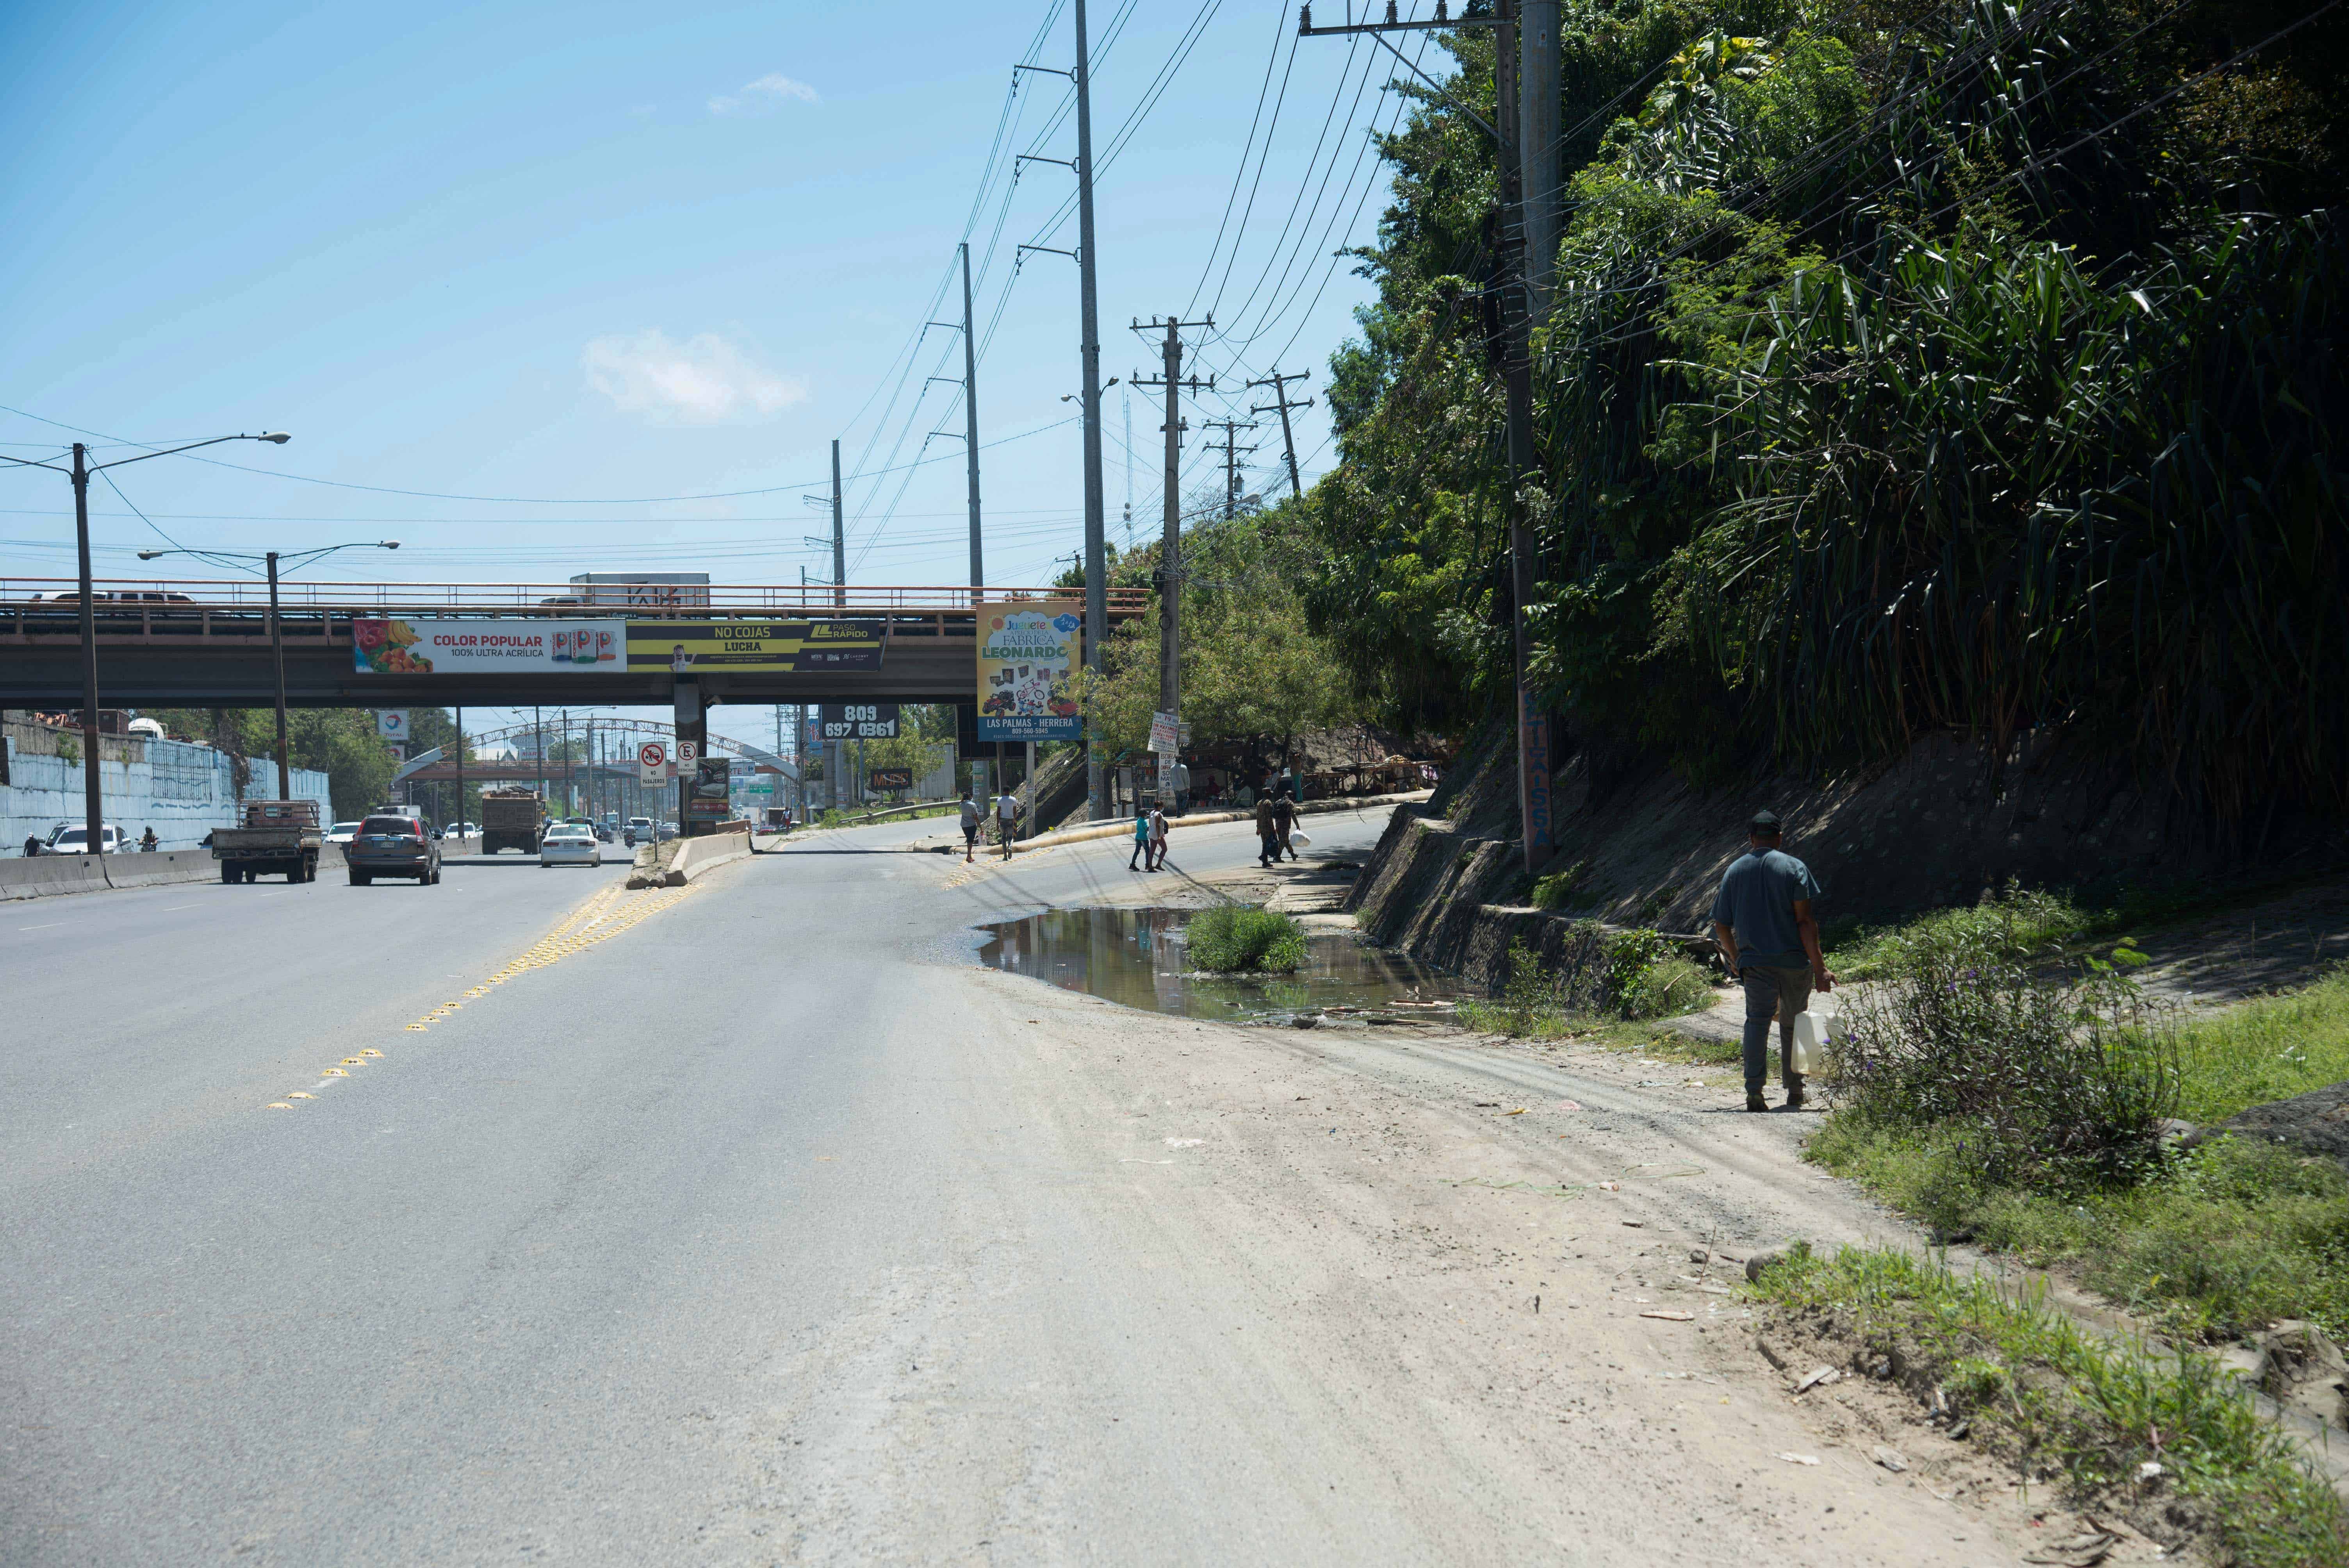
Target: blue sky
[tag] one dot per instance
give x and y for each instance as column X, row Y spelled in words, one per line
column 593, row 251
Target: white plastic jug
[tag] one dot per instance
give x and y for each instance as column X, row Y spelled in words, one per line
column 1811, row 1030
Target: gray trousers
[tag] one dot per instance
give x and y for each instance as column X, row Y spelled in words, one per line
column 1772, row 992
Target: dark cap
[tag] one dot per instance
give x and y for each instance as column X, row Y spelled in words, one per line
column 1765, row 823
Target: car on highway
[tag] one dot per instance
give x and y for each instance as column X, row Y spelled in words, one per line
column 393, row 847
column 668, row 829
column 66, row 840
column 639, row 827
column 342, row 832
column 570, row 844
column 461, row 830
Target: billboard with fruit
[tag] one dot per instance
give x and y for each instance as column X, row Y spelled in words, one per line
column 395, row 647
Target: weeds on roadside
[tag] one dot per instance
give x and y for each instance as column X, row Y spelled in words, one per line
column 2058, row 1079
column 1529, row 1004
column 1233, row 938
column 2231, row 1236
column 2269, row 1049
column 1631, row 974
column 2052, row 1396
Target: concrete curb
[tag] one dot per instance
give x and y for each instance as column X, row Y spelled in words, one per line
column 1200, row 820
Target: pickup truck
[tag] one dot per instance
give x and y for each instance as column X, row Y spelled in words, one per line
column 274, row 836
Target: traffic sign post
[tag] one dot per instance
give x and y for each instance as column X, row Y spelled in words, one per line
column 652, row 763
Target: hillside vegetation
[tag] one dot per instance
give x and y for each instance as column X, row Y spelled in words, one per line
column 1912, row 366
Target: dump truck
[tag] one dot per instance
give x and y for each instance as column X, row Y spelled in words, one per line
column 273, row 836
column 511, row 819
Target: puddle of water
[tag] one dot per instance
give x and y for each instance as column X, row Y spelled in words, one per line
column 1136, row 958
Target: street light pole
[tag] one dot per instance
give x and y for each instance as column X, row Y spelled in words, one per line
column 277, row 629
column 93, row 798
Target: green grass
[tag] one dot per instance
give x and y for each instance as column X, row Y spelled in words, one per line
column 2230, row 1237
column 2266, row 1049
column 1235, row 937
column 2054, row 1397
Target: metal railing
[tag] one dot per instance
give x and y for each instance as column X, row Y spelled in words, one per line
column 20, row 594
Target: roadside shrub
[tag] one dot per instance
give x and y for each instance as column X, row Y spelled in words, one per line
column 1529, row 1003
column 2033, row 1075
column 1235, row 937
column 1670, row 987
column 2020, row 923
column 1555, row 889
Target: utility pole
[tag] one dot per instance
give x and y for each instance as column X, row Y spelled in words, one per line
column 1516, row 369
column 1283, row 403
column 969, row 385
column 1231, row 428
column 1089, row 312
column 1538, row 103
column 971, row 420
column 1170, row 548
column 839, row 539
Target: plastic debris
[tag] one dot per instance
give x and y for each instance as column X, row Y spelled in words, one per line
column 1800, row 1459
column 1819, row 1378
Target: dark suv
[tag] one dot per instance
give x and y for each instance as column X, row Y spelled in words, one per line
column 392, row 847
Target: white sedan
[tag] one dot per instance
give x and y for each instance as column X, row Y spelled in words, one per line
column 570, row 844
column 342, row 832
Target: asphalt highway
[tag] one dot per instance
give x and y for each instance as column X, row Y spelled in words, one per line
column 525, row 1220
column 497, row 1291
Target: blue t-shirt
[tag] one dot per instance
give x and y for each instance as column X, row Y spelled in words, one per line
column 1757, row 902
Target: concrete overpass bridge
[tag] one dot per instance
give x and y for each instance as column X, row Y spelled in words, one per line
column 189, row 643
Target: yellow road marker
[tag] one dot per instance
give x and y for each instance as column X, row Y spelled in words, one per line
column 337, row 1072
column 353, row 1061
column 370, row 1051
column 279, row 1104
column 298, row 1094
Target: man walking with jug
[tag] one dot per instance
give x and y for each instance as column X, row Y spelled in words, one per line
column 1762, row 920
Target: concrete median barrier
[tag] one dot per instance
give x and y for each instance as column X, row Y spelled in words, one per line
column 688, row 858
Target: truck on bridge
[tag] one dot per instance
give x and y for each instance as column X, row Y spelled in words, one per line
column 274, row 836
column 512, row 819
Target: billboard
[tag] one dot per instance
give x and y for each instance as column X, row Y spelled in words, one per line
column 789, row 647
column 397, row 647
column 706, row 797
column 858, row 720
column 878, row 779
column 1028, row 657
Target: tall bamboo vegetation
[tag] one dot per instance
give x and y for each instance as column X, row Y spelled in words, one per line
column 1914, row 367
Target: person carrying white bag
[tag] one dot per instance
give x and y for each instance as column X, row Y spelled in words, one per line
column 1762, row 920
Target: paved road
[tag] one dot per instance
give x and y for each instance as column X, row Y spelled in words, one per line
column 751, row 1224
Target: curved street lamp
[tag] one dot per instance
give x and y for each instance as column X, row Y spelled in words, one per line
column 94, row 837
column 276, row 644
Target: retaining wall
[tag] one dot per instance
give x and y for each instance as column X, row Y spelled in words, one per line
column 181, row 789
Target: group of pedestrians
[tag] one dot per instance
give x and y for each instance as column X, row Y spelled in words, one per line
column 1275, row 826
column 1148, row 840
column 1008, row 810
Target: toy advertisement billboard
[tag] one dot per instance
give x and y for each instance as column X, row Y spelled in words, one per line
column 1028, row 660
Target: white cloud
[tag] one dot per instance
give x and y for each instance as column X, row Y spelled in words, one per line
column 763, row 96
column 705, row 380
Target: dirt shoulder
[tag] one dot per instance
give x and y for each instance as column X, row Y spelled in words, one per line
column 1489, row 1248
